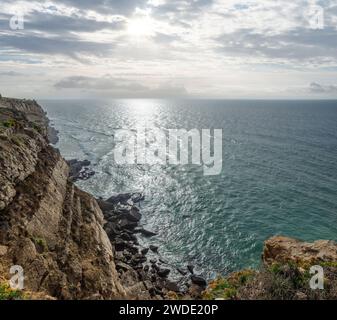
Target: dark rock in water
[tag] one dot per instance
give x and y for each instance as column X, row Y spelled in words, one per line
column 199, row 281
column 163, row 273
column 146, row 268
column 79, row 170
column 190, row 268
column 120, row 245
column 171, row 286
column 133, row 214
column 125, row 236
column 132, row 249
column 145, row 232
column 182, row 272
column 137, row 197
column 52, row 134
column 111, row 231
column 119, row 198
column 145, row 251
column 153, row 261
column 155, row 267
column 163, row 261
column 154, row 248
column 139, row 258
column 125, row 197
column 105, row 206
column 126, row 224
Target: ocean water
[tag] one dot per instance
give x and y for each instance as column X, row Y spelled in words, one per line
column 279, row 174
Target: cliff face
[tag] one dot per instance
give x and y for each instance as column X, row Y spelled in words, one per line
column 47, row 225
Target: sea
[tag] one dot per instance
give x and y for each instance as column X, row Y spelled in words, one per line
column 278, row 177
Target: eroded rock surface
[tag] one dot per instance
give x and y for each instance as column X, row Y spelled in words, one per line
column 47, row 225
column 284, row 250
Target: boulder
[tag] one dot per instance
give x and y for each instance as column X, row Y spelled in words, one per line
column 163, row 273
column 190, row 268
column 145, row 233
column 154, row 248
column 198, row 281
column 123, row 198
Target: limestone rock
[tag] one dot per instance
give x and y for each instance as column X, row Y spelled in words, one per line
column 47, row 225
column 283, row 250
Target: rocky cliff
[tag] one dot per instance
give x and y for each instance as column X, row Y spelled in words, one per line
column 47, row 225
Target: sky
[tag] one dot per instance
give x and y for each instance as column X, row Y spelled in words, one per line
column 168, row 49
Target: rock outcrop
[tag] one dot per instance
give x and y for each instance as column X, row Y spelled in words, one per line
column 284, row 250
column 284, row 275
column 47, row 225
column 34, row 114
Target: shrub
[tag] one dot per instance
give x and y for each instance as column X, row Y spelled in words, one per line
column 10, row 123
column 41, row 244
column 6, row 293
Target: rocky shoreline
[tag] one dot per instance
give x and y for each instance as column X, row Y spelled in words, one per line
column 122, row 226
column 122, row 218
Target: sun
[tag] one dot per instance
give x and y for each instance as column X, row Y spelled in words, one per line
column 140, row 27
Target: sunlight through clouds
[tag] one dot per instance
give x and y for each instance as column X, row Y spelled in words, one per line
column 208, row 47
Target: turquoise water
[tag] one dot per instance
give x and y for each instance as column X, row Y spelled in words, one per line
column 279, row 173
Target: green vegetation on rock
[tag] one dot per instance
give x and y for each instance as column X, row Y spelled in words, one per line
column 6, row 293
column 10, row 123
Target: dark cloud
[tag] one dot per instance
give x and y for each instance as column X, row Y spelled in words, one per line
column 179, row 12
column 10, row 73
column 182, row 7
column 119, row 87
column 322, row 89
column 53, row 34
column 70, row 46
column 294, row 45
column 119, row 7
column 105, row 83
column 56, row 23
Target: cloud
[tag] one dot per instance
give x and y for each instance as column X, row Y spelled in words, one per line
column 105, row 83
column 11, row 73
column 71, row 46
column 165, row 38
column 295, row 44
column 206, row 45
column 57, row 23
column 119, row 87
column 121, row 7
column 317, row 88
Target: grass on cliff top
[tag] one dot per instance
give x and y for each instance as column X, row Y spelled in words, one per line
column 6, row 293
column 228, row 288
column 276, row 282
